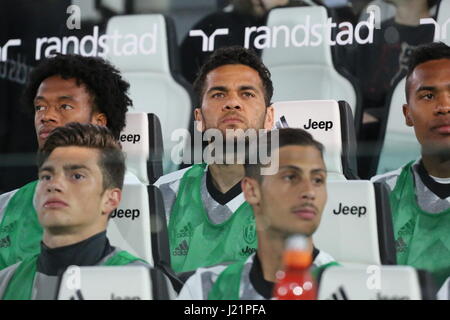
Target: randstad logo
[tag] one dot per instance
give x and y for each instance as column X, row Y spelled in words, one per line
column 6, row 46
column 440, row 30
column 113, row 44
column 300, row 35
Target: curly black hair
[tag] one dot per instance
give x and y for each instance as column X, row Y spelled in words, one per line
column 234, row 55
column 103, row 81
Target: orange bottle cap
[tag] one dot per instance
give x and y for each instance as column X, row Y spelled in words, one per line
column 298, row 259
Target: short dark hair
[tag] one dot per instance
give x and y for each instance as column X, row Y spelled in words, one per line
column 425, row 53
column 108, row 89
column 234, row 55
column 111, row 159
column 287, row 137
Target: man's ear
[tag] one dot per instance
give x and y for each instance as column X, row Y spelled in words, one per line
column 252, row 193
column 99, row 119
column 199, row 119
column 268, row 121
column 407, row 114
column 111, row 200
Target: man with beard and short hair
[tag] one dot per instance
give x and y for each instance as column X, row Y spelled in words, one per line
column 205, row 208
column 420, row 190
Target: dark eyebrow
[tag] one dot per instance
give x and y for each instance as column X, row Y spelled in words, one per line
column 426, row 88
column 60, row 98
column 319, row 171
column 291, row 167
column 39, row 98
column 47, row 168
column 66, row 98
column 217, row 88
column 287, row 167
column 71, row 167
column 247, row 88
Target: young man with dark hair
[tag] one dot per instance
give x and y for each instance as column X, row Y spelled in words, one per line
column 205, row 208
column 81, row 173
column 96, row 93
column 379, row 66
column 420, row 191
column 63, row 89
column 286, row 203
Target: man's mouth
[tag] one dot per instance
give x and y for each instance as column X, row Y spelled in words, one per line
column 444, row 129
column 232, row 120
column 306, row 213
column 44, row 133
column 55, row 204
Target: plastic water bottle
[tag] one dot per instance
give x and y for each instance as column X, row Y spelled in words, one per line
column 295, row 281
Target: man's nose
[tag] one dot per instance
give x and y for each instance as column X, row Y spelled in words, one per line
column 443, row 105
column 233, row 103
column 55, row 184
column 49, row 114
column 307, row 191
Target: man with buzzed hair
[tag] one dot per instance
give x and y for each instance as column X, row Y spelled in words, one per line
column 286, row 203
column 420, row 190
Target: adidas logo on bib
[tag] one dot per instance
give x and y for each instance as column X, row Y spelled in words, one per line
column 182, row 249
column 185, row 232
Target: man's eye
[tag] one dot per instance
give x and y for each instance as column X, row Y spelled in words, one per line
column 45, row 177
column 249, row 94
column 38, row 108
column 428, row 96
column 78, row 176
column 319, row 180
column 66, row 107
column 218, row 95
column 289, row 177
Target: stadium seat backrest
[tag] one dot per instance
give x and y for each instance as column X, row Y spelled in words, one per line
column 146, row 63
column 322, row 118
column 370, row 282
column 400, row 144
column 129, row 227
column 443, row 20
column 444, row 291
column 142, row 144
column 160, row 237
column 110, row 283
column 303, row 71
column 356, row 223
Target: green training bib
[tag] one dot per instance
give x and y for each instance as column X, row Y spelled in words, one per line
column 422, row 239
column 20, row 286
column 20, row 231
column 227, row 285
column 195, row 241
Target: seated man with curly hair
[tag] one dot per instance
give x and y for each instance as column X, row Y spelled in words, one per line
column 63, row 89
